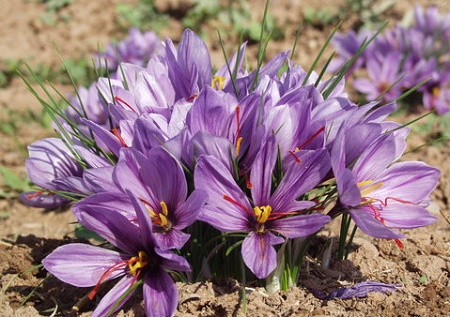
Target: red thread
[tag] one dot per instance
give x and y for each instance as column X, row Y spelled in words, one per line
column 124, row 102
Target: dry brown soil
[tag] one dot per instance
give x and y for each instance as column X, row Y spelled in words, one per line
column 27, row 235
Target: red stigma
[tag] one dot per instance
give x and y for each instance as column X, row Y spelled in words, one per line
column 116, row 132
column 35, row 194
column 238, row 122
column 248, row 183
column 234, row 202
column 310, row 138
column 296, row 158
column 117, row 98
column 192, row 97
column 105, row 275
column 399, row 244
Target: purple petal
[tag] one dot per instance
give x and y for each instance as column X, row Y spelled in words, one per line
column 215, row 179
column 173, row 239
column 349, row 193
column 94, row 160
column 259, row 254
column 164, row 178
column 109, row 215
column 41, row 200
column 71, row 184
column 171, row 261
column 194, row 56
column 100, row 180
column 203, row 143
column 50, row 159
column 145, row 223
column 376, row 158
column 261, row 172
column 406, row 216
column 299, row 226
column 187, row 213
column 82, row 265
column 372, row 227
column 211, row 112
column 105, row 137
column 409, row 181
column 361, row 290
column 111, row 300
column 160, row 294
column 300, row 178
column 129, row 168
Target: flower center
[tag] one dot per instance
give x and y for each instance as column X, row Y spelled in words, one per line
column 262, row 213
column 135, row 266
column 218, row 82
column 435, row 91
column 159, row 218
column 137, row 263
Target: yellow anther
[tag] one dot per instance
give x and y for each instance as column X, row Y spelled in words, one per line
column 151, row 212
column 165, row 210
column 136, row 263
column 262, row 213
column 238, row 145
column 218, row 82
column 435, row 91
column 369, row 189
column 163, row 220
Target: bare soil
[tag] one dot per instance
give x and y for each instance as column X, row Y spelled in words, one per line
column 27, row 235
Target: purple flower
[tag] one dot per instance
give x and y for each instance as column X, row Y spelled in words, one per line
column 138, row 258
column 137, row 48
column 382, row 75
column 52, row 167
column 347, row 45
column 436, row 92
column 86, row 104
column 429, row 21
column 189, row 65
column 381, row 196
column 160, row 184
column 266, row 216
column 358, row 290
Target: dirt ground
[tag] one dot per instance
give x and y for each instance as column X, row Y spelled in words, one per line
column 27, row 235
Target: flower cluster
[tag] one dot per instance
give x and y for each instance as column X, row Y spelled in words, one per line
column 190, row 170
column 402, row 58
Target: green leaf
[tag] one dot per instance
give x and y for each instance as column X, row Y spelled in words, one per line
column 12, row 180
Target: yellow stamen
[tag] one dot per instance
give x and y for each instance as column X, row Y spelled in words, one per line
column 262, row 213
column 151, row 212
column 369, row 189
column 238, row 145
column 165, row 210
column 136, row 263
column 164, row 214
column 218, row 82
column 162, row 218
column 435, row 91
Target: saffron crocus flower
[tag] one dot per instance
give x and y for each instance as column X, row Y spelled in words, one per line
column 358, row 290
column 383, row 77
column 138, row 259
column 189, row 65
column 436, row 92
column 266, row 217
column 381, row 196
column 348, row 45
column 160, row 184
column 52, row 167
column 137, row 48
